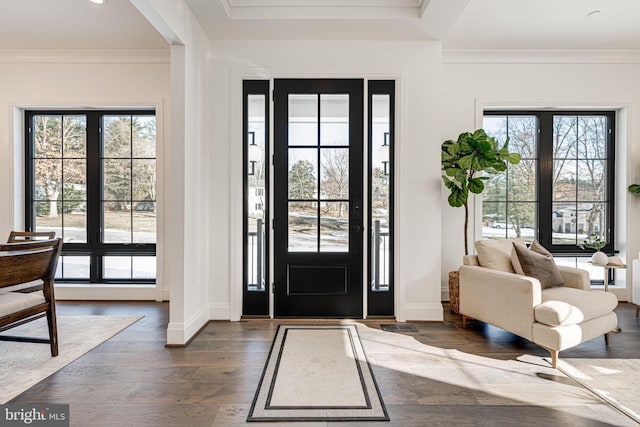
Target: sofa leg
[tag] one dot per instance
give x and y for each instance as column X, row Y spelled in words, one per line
column 606, row 338
column 464, row 321
column 637, row 310
column 554, row 358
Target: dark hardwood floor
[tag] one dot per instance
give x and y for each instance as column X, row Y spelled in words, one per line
column 440, row 375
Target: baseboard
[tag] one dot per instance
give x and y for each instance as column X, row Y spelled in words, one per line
column 219, row 311
column 424, row 311
column 106, row 292
column 181, row 333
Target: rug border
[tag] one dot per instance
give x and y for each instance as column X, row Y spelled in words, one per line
column 250, row 418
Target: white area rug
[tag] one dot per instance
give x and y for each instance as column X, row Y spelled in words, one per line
column 317, row 373
column 22, row 365
column 616, row 381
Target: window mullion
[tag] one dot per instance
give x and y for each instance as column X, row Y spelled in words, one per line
column 545, row 178
column 94, row 191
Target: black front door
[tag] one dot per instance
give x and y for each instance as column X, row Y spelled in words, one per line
column 318, row 197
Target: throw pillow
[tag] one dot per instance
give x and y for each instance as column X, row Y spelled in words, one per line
column 539, row 266
column 496, row 254
column 536, row 247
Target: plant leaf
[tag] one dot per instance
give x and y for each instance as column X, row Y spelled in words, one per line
column 476, row 185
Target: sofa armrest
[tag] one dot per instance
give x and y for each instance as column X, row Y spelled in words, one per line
column 505, row 300
column 575, row 277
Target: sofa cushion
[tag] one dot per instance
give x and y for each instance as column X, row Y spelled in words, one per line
column 496, row 254
column 539, row 266
column 536, row 247
column 569, row 306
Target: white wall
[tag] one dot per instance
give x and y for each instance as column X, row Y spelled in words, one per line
column 416, row 66
column 471, row 84
column 73, row 79
column 191, row 236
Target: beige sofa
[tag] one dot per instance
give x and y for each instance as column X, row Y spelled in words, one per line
column 555, row 318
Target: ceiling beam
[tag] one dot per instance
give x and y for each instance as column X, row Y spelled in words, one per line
column 438, row 16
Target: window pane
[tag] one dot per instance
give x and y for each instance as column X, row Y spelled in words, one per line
column 564, row 224
column 334, row 227
column 47, row 139
column 117, row 267
column 48, row 179
column 73, row 267
column 591, row 219
column 592, row 180
column 303, row 120
column 334, row 119
column 75, row 136
column 522, row 220
column 75, row 179
column 256, row 241
column 303, row 173
column 564, row 180
column 565, row 137
column 45, row 220
column 303, row 226
column 496, row 126
column 144, row 225
column 144, row 267
column 144, row 136
column 117, row 136
column 592, row 137
column 144, row 179
column 495, row 188
column 75, row 222
column 117, row 222
column 494, row 220
column 117, row 180
column 521, row 181
column 335, row 174
column 522, row 131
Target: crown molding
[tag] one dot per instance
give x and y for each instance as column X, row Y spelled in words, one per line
column 65, row 56
column 504, row 56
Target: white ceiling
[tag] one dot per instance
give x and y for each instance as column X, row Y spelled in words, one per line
column 460, row 24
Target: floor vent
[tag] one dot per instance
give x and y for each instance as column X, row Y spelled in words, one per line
column 399, row 327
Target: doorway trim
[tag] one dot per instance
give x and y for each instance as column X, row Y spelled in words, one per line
column 237, row 76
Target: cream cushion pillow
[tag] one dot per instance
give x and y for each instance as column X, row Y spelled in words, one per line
column 496, row 254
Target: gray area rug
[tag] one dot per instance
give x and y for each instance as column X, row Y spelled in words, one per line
column 317, row 373
column 616, row 381
column 23, row 365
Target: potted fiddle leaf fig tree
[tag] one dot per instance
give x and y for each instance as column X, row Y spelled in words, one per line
column 467, row 163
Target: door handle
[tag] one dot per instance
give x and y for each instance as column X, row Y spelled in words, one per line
column 356, row 228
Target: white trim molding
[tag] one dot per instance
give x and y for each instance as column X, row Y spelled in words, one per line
column 181, row 333
column 65, row 56
column 505, row 56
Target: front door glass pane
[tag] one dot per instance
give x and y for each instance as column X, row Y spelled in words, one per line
column 334, row 227
column 303, row 226
column 303, row 119
column 334, row 119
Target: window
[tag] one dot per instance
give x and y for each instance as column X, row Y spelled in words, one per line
column 381, row 176
column 256, row 197
column 91, row 178
column 563, row 188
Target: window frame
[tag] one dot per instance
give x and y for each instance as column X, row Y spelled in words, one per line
column 94, row 247
column 544, row 176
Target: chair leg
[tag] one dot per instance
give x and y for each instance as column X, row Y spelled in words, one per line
column 53, row 330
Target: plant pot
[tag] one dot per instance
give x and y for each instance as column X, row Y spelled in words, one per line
column 454, row 291
column 600, row 258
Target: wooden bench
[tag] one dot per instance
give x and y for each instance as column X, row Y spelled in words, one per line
column 26, row 262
